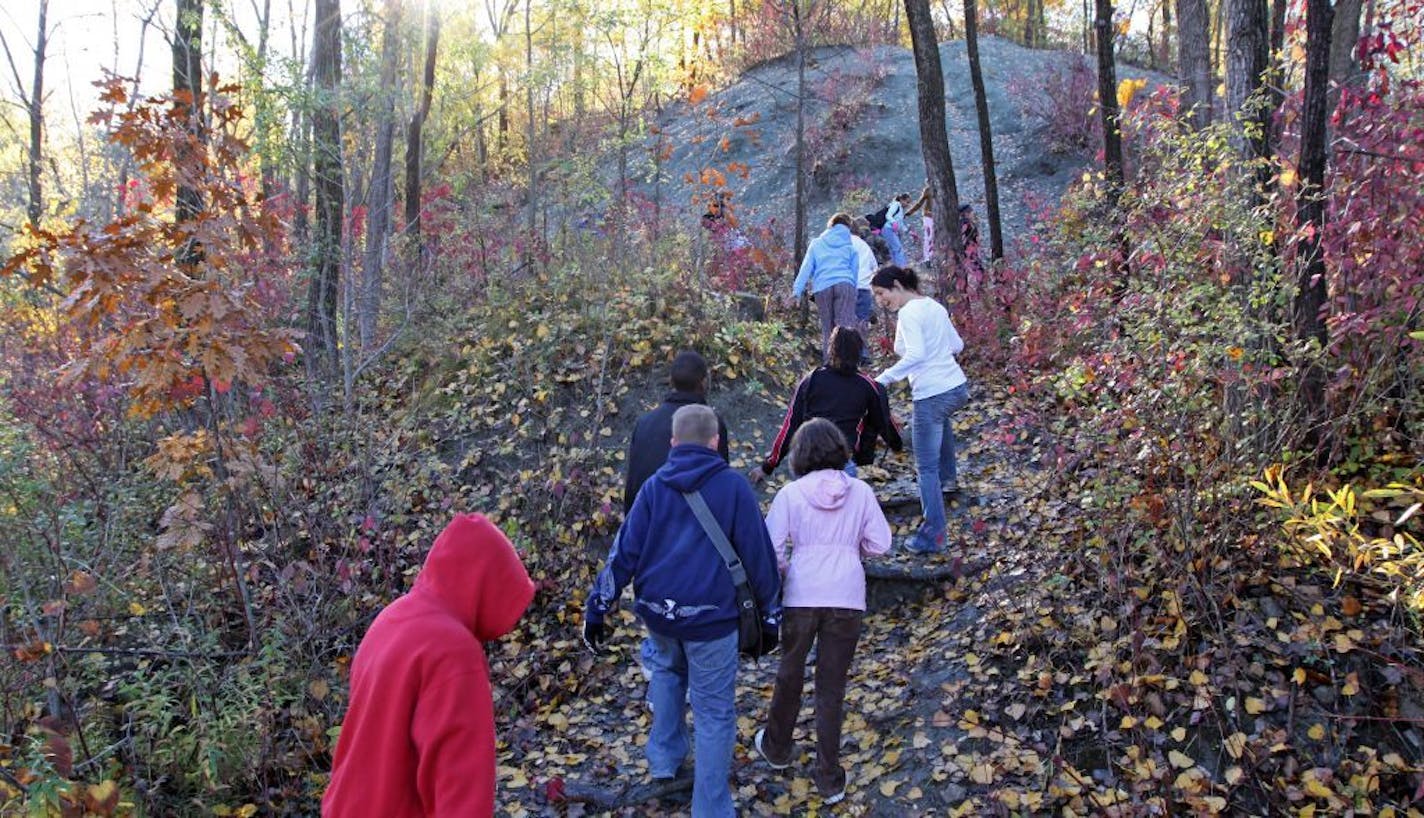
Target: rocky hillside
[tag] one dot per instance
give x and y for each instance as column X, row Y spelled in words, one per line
column 865, row 138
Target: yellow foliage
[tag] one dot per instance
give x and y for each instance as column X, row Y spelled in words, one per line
column 1329, row 527
column 1127, row 89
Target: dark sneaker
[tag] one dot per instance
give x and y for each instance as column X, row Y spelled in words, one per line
column 757, row 741
column 835, row 798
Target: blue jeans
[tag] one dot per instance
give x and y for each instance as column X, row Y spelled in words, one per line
column 708, row 672
column 864, row 306
column 933, row 428
column 897, row 250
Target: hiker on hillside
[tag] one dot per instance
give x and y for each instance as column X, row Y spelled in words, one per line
column 926, row 341
column 648, row 448
column 969, row 237
column 870, row 234
column 831, row 520
column 685, row 596
column 864, row 299
column 840, row 393
column 418, row 738
column 895, row 229
column 927, row 218
column 829, row 271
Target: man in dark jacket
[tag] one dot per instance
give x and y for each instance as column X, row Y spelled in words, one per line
column 685, row 596
column 649, row 447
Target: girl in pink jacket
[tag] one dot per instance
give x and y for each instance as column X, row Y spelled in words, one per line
column 831, row 520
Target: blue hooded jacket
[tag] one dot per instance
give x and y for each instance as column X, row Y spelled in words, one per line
column 681, row 587
column 831, row 259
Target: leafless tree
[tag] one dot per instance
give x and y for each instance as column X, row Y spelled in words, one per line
column 1194, row 60
column 188, row 98
column 33, row 101
column 414, row 135
column 934, row 141
column 986, row 132
column 1247, row 60
column 322, row 346
column 1309, row 321
column 368, row 302
column 1107, row 98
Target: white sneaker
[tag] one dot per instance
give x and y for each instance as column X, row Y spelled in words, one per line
column 767, row 758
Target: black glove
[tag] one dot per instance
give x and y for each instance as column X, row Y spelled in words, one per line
column 770, row 638
column 593, row 635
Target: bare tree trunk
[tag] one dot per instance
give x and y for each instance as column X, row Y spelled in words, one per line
column 188, row 98
column 1194, row 60
column 1247, row 60
column 35, row 105
column 368, row 301
column 1344, row 36
column 1034, row 25
column 324, row 289
column 1087, row 14
column 532, row 225
column 1163, row 52
column 986, row 134
column 1107, row 98
column 799, row 226
column 414, row 136
column 934, row 142
column 1309, row 323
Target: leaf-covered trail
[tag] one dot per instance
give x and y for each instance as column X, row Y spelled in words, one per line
column 901, row 738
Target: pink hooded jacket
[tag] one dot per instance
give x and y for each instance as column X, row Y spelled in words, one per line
column 831, row 520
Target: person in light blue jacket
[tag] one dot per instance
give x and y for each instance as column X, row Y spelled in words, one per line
column 830, row 271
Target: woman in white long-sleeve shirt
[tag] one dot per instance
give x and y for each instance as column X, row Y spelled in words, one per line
column 926, row 341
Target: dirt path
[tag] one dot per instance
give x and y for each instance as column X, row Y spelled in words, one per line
column 900, row 743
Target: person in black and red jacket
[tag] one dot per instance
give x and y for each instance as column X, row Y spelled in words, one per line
column 842, row 394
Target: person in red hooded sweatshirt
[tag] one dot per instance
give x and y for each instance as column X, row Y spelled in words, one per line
column 418, row 739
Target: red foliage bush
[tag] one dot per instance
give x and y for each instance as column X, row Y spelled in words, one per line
column 1064, row 105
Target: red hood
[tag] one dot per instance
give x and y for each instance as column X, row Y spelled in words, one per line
column 475, row 573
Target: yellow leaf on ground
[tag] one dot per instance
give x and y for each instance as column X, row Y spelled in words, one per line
column 1235, row 744
column 1181, row 760
column 982, row 774
column 888, row 787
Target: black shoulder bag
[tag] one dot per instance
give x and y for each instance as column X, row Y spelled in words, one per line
column 748, row 617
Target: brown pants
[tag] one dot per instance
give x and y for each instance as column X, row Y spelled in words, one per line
column 836, row 307
column 836, row 630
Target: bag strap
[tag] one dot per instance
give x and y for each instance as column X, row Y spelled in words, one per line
column 719, row 538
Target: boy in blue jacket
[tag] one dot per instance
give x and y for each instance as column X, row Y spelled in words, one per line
column 684, row 594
